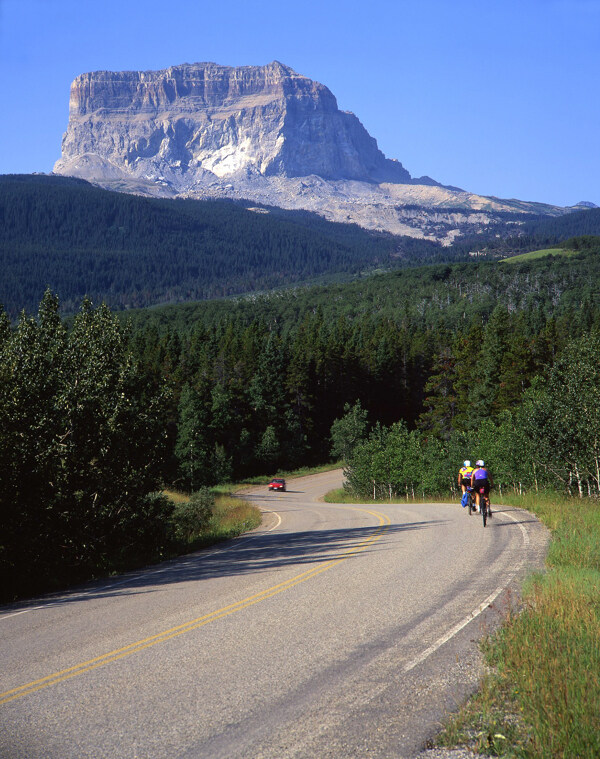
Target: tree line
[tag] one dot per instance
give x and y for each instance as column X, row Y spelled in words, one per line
column 82, row 441
column 548, row 438
column 133, row 251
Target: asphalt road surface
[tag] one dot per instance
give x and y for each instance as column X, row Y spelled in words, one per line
column 332, row 631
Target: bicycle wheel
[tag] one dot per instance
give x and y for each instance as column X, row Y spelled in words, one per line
column 484, row 509
column 470, row 504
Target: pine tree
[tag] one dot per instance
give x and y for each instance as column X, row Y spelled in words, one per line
column 489, row 362
column 193, row 447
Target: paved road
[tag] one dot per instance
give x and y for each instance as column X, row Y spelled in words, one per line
column 332, row 631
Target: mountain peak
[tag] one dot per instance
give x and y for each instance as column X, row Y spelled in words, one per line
column 191, row 121
column 260, row 133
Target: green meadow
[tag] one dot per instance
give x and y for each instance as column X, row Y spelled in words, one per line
column 536, row 254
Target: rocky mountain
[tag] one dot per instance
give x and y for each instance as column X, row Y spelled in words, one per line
column 263, row 133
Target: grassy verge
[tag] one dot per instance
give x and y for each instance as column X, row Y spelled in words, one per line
column 542, row 695
column 340, row 495
column 230, row 517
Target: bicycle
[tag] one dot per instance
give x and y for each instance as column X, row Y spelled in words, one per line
column 470, row 502
column 485, row 507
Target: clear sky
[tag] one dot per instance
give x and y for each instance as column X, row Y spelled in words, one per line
column 499, row 97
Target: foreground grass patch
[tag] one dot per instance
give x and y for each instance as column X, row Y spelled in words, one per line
column 550, row 654
column 543, row 692
column 231, row 516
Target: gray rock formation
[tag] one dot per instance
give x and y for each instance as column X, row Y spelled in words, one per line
column 199, row 118
column 263, row 133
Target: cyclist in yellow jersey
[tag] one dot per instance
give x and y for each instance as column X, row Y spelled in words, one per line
column 464, row 476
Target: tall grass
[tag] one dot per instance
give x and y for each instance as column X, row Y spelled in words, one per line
column 231, row 516
column 546, row 659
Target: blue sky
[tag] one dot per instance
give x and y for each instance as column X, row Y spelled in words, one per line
column 500, row 98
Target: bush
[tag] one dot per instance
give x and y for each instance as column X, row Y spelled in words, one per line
column 192, row 517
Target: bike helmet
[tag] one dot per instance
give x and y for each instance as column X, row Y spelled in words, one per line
column 480, row 462
column 467, row 463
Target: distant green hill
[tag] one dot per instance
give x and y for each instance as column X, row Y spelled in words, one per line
column 533, row 234
column 570, row 247
column 135, row 251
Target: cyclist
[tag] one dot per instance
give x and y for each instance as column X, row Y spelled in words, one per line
column 482, row 480
column 464, row 476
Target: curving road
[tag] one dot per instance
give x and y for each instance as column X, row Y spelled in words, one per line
column 332, row 631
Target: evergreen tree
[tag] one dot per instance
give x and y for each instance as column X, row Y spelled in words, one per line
column 269, row 449
column 440, row 399
column 489, row 363
column 193, row 449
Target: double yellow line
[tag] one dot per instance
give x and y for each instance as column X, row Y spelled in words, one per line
column 194, row 624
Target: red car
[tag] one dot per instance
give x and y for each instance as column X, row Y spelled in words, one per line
column 277, row 484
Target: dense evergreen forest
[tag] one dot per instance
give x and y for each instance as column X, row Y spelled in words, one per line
column 132, row 251
column 129, row 251
column 257, row 383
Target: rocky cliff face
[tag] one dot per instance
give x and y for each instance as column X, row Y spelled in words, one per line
column 188, row 120
column 263, row 133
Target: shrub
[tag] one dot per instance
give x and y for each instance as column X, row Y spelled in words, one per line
column 192, row 517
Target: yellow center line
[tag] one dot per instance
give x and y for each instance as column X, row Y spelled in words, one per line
column 194, row 624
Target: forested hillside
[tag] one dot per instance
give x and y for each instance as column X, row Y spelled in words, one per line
column 428, row 297
column 134, row 251
column 265, row 377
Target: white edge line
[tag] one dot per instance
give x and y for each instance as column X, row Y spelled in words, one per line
column 473, row 615
column 82, row 595
column 456, row 629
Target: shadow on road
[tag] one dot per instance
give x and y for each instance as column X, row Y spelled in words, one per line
column 251, row 553
column 513, row 522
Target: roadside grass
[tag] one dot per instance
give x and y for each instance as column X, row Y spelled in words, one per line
column 341, row 495
column 231, row 516
column 541, row 697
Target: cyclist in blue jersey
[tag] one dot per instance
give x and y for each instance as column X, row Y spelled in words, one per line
column 481, row 479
